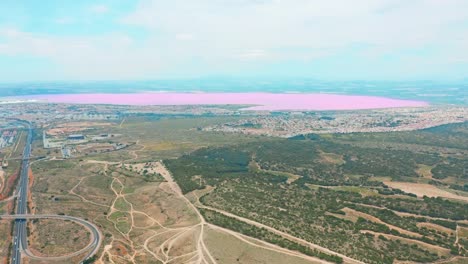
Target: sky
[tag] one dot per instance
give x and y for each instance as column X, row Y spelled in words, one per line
column 69, row 40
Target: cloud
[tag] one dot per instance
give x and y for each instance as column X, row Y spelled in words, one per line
column 161, row 37
column 304, row 23
column 110, row 56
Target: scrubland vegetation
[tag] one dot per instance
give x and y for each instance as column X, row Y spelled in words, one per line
column 331, row 191
column 251, row 181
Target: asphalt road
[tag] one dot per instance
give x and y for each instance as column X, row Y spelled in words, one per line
column 19, row 234
column 20, row 237
column 93, row 245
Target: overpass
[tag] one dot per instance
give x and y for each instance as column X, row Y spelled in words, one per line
column 92, row 247
column 20, row 234
column 20, row 241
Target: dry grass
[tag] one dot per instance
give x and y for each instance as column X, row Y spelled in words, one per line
column 433, row 248
column 423, row 189
column 331, row 158
column 456, row 260
column 463, row 232
column 168, row 138
column 255, row 167
column 424, row 171
column 85, row 124
column 142, row 168
column 361, row 190
column 162, row 205
column 127, row 209
column 436, row 228
column 242, row 252
column 57, row 238
column 353, row 215
column 5, row 228
column 291, row 177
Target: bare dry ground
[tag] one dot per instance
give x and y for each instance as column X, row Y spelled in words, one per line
column 424, row 171
column 146, row 221
column 423, row 189
column 155, row 223
column 129, row 211
column 436, row 227
column 457, row 260
column 5, row 228
column 2, row 179
column 331, row 158
column 56, row 238
column 242, row 250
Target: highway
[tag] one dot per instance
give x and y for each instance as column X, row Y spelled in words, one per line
column 20, row 240
column 93, row 245
column 19, row 234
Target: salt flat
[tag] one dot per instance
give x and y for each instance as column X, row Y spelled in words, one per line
column 259, row 101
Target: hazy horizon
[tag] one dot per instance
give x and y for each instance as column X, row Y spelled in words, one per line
column 153, row 40
column 427, row 91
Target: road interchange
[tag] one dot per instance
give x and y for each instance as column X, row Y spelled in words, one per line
column 92, row 246
column 20, row 242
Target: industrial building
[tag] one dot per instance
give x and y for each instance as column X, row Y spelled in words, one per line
column 76, row 137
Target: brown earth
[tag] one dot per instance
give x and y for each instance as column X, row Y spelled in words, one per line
column 423, row 189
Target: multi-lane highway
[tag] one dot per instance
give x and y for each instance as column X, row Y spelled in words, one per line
column 91, row 248
column 19, row 234
column 20, row 242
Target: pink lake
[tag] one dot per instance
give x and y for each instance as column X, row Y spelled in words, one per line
column 260, row 101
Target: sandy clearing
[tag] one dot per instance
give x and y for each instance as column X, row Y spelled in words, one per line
column 421, row 189
column 161, row 169
column 2, row 179
column 102, row 162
